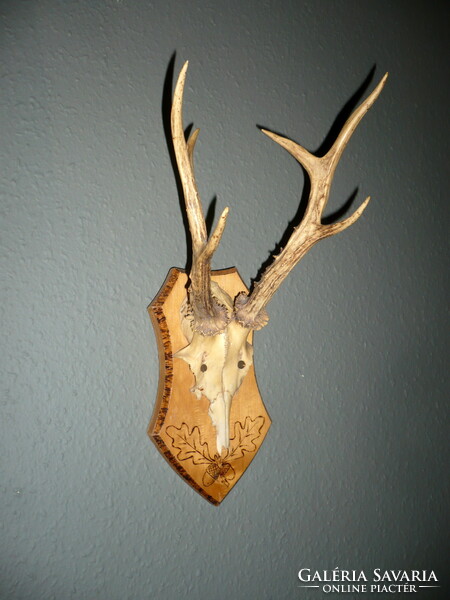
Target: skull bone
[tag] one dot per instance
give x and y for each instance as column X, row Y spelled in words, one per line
column 219, row 364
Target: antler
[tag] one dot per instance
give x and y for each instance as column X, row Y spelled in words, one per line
column 210, row 316
column 250, row 310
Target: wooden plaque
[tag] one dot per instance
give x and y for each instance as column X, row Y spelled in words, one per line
column 180, row 426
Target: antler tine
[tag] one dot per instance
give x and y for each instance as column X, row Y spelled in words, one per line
column 184, row 153
column 250, row 310
column 210, row 317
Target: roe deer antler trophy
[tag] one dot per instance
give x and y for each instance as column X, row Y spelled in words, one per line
column 209, row 420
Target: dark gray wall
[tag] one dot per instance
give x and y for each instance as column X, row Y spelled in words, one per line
column 353, row 365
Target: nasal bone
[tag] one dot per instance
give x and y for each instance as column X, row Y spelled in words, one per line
column 219, row 411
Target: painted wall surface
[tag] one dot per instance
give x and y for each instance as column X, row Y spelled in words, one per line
column 353, row 366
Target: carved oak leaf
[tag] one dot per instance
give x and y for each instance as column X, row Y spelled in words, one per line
column 189, row 444
column 245, row 436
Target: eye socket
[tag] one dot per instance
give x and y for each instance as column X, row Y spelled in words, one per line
column 203, row 368
column 241, row 364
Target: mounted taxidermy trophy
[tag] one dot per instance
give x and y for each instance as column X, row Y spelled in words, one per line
column 209, row 419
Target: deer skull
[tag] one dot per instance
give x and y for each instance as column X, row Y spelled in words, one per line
column 219, row 364
column 215, row 325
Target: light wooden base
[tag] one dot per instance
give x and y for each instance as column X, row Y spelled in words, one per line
column 180, row 426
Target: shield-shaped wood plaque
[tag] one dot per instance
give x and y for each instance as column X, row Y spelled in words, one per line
column 180, row 426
